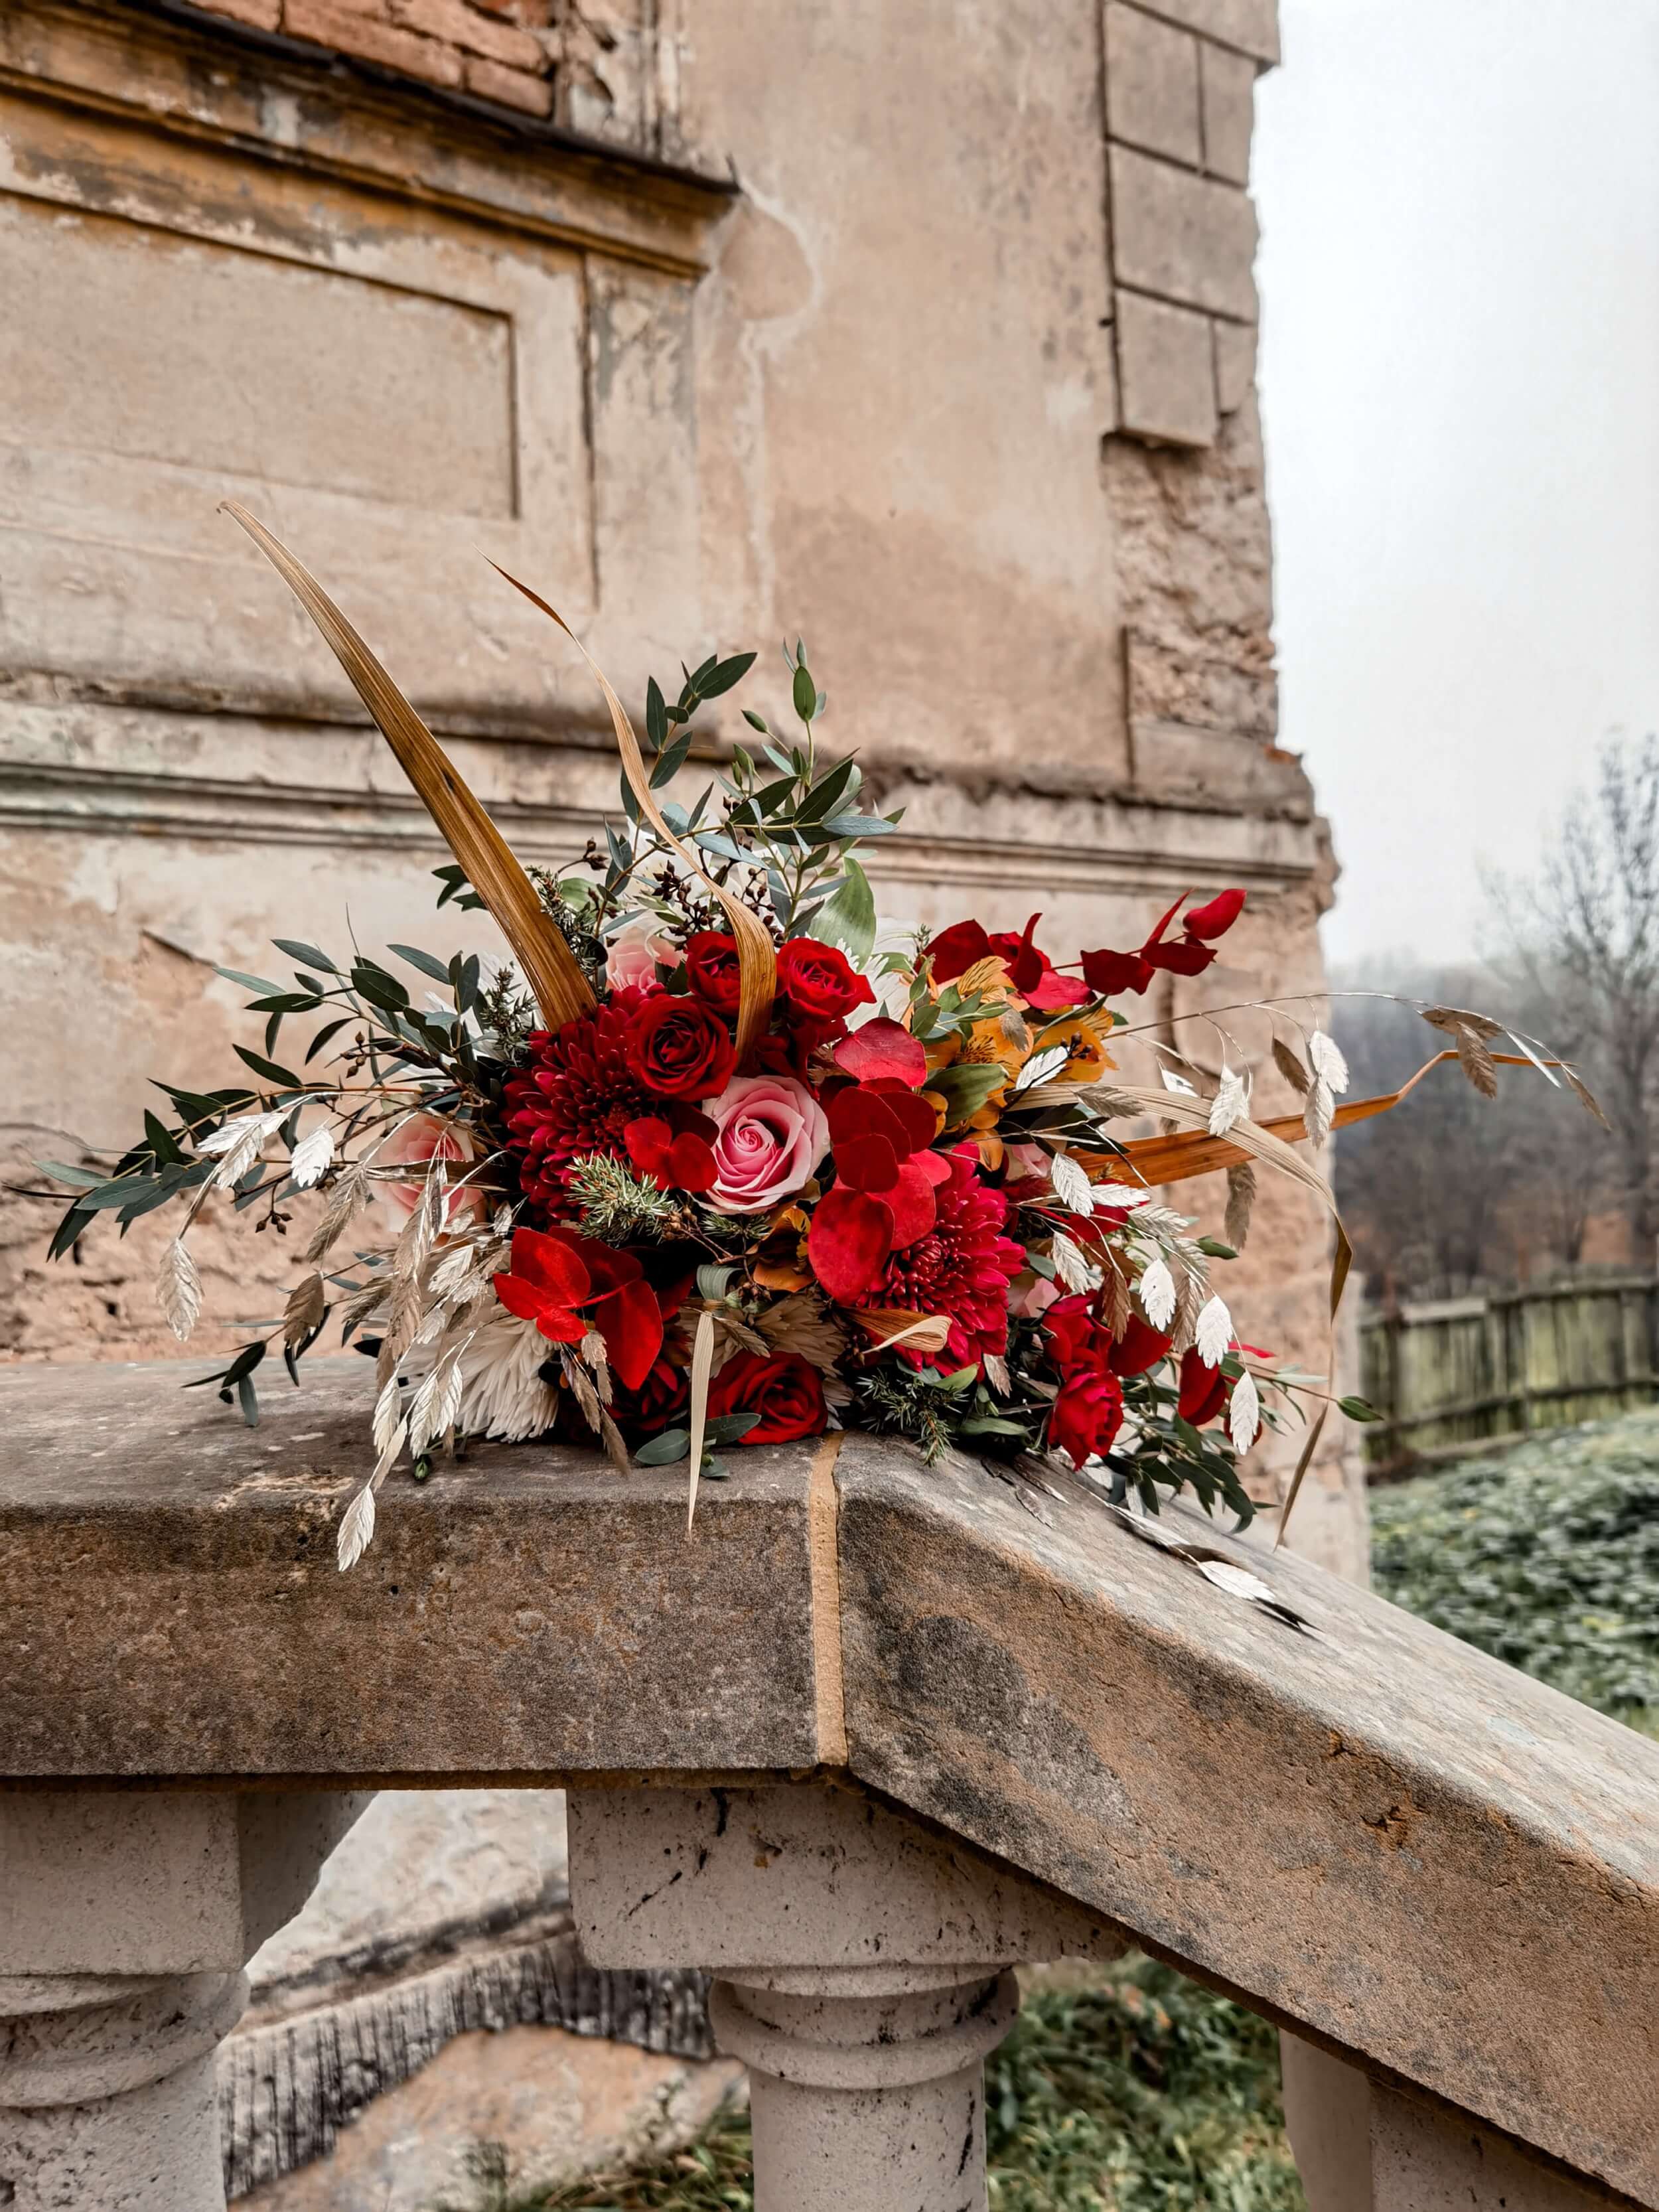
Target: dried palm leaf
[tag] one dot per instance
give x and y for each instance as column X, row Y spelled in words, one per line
column 757, row 964
column 702, row 1367
column 551, row 969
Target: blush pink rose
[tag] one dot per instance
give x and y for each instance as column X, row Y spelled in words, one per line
column 769, row 1134
column 422, row 1137
column 636, row 955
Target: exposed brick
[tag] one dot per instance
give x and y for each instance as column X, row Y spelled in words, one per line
column 458, row 25
column 1188, row 239
column 1228, row 81
column 338, row 23
column 263, row 14
column 512, row 88
column 1151, row 84
column 1166, row 369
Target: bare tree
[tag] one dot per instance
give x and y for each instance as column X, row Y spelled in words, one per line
column 1585, row 933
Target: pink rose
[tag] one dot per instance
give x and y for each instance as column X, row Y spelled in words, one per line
column 636, row 955
column 1036, row 1299
column 422, row 1137
column 769, row 1135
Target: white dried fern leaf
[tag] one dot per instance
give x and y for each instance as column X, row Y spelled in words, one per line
column 1230, row 1103
column 1241, row 1203
column 388, row 1417
column 1214, row 1332
column 179, row 1289
column 350, row 1192
column 312, row 1157
column 1072, row 1186
column 1244, row 1412
column 1326, row 1057
column 1157, row 1293
column 357, row 1528
column 1317, row 1108
column 1070, row 1265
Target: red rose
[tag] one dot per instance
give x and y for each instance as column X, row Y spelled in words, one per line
column 1086, row 1415
column 679, row 1048
column 785, row 1390
column 819, row 982
column 1075, row 1336
column 711, row 969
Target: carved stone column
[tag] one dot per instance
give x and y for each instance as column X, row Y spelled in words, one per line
column 125, row 1918
column 862, row 1969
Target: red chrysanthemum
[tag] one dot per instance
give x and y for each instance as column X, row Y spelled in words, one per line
column 960, row 1268
column 575, row 1093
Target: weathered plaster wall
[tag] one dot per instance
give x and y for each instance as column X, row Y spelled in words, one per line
column 956, row 381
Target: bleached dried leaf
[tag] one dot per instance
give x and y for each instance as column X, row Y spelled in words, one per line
column 451, row 1279
column 1070, row 1265
column 1232, row 1101
column 1244, row 1412
column 1072, row 1186
column 1288, row 1062
column 360, row 1303
column 313, row 1157
column 592, row 1352
column 1476, row 1061
column 388, row 1418
column 1317, row 1109
column 582, row 1388
column 611, row 1437
column 240, row 1156
column 229, row 1134
column 1041, row 1065
column 1115, row 1305
column 803, row 1324
column 357, row 1528
column 891, row 1325
column 732, row 1334
column 1241, row 1203
column 1581, row 1091
column 1214, row 1332
column 1178, row 1084
column 1237, row 1581
column 703, row 1362
column 1157, row 1293
column 179, row 1289
column 1523, row 1047
column 350, row 1192
column 1453, row 1018
column 1326, row 1057
column 302, row 1315
column 997, row 1374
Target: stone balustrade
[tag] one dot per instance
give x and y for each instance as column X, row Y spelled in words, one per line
column 869, row 1737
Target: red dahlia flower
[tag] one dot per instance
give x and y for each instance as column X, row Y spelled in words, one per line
column 960, row 1268
column 576, row 1095
column 786, row 1390
column 567, row 1285
column 679, row 1048
column 1086, row 1415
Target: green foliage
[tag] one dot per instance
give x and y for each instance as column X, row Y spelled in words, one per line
column 1548, row 1558
column 1137, row 2091
column 618, row 1205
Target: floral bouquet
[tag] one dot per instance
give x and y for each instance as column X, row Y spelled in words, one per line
column 717, row 1161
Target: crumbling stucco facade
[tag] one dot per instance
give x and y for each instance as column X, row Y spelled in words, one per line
column 921, row 328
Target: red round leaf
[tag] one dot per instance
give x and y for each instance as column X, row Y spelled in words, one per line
column 1111, row 974
column 1221, row 913
column 867, row 1164
column 847, row 1243
column 630, row 1322
column 882, row 1048
column 914, row 1207
column 1185, row 955
column 957, row 949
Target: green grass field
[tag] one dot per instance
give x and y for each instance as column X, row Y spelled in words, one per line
column 1140, row 2092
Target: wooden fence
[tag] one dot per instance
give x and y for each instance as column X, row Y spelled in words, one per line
column 1467, row 1375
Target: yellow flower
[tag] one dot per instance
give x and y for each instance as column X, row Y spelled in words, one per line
column 1085, row 1035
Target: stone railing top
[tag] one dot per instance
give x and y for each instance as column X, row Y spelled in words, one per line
column 1407, row 1851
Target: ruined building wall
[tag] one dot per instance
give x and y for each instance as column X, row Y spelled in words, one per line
column 926, row 330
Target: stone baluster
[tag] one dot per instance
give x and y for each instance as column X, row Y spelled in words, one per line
column 862, row 1969
column 1362, row 2146
column 125, row 1920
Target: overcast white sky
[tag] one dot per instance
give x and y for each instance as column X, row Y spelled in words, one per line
column 1460, row 278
